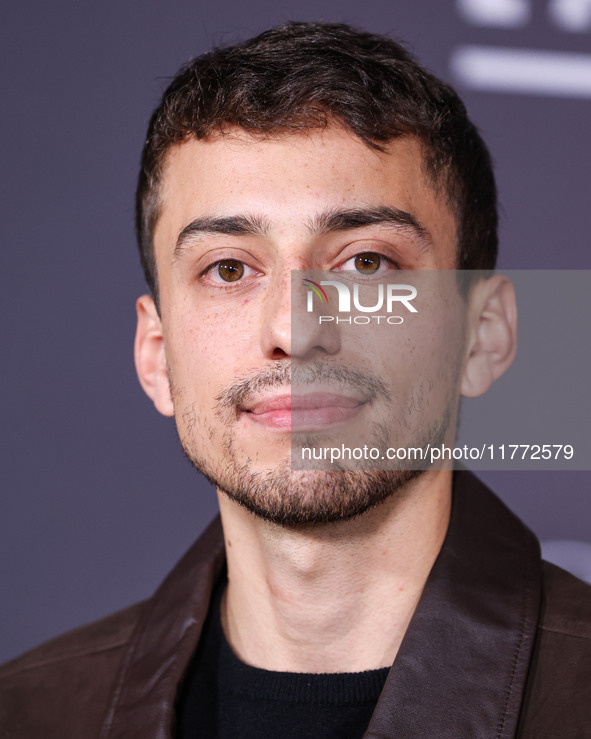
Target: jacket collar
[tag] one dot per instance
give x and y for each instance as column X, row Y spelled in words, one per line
column 461, row 667
column 162, row 644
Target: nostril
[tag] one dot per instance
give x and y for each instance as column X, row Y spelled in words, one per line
column 279, row 353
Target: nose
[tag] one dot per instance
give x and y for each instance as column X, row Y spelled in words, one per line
column 290, row 328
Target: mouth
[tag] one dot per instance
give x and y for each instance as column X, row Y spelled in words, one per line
column 310, row 412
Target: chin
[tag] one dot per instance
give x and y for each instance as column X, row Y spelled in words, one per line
column 294, row 498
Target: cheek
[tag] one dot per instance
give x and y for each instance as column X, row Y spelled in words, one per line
column 207, row 349
column 424, row 354
column 440, row 354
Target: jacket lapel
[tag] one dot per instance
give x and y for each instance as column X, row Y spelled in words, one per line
column 142, row 703
column 462, row 665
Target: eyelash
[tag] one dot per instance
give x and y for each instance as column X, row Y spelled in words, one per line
column 225, row 283
column 381, row 257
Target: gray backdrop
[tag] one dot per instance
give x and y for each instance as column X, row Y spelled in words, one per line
column 97, row 500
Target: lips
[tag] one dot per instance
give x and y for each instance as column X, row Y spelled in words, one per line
column 309, row 412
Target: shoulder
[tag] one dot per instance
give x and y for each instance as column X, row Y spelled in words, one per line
column 103, row 635
column 70, row 675
column 558, row 697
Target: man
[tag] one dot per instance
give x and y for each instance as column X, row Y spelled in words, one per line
column 328, row 602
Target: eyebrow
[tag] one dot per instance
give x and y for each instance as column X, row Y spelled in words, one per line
column 228, row 225
column 332, row 220
column 350, row 218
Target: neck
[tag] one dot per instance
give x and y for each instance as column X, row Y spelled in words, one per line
column 331, row 598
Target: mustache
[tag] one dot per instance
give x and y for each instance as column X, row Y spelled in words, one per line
column 287, row 373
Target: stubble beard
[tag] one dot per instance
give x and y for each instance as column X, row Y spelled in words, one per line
column 294, row 498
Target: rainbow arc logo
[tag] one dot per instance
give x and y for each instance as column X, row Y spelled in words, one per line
column 318, row 289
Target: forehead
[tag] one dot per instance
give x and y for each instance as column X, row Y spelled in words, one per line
column 288, row 179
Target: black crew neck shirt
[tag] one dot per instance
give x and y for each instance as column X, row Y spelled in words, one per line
column 224, row 698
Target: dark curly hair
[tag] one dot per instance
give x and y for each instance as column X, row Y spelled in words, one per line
column 303, row 76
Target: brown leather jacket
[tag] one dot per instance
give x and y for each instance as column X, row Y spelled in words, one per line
column 499, row 646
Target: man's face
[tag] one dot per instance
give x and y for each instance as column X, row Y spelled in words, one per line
column 237, row 215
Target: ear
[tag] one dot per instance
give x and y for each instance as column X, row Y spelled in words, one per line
column 150, row 356
column 492, row 334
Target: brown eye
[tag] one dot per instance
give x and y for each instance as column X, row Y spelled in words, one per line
column 368, row 263
column 230, row 270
